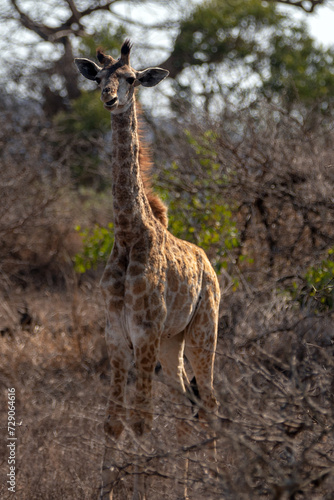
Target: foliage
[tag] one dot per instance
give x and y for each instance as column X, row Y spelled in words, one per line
column 109, row 37
column 218, row 29
column 33, row 185
column 97, row 246
column 237, row 46
column 217, row 41
column 197, row 213
column 86, row 115
column 247, row 45
column 299, row 70
column 80, row 130
column 317, row 288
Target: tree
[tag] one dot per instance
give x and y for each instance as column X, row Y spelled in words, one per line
column 226, row 48
column 214, row 38
column 44, row 63
column 300, row 71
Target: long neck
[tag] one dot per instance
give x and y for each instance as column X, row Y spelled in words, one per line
column 131, row 208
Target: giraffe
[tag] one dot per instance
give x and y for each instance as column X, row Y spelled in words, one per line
column 161, row 293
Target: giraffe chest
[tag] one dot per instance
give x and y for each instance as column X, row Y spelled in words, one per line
column 157, row 291
column 133, row 289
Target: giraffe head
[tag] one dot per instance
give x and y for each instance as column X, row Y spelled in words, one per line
column 117, row 79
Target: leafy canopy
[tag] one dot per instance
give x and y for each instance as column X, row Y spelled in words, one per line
column 299, row 70
column 240, row 46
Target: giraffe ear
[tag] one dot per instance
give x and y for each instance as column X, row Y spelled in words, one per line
column 87, row 68
column 151, row 76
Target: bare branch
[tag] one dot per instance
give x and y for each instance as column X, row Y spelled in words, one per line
column 98, row 7
column 306, row 5
column 162, row 25
column 74, row 10
column 66, row 28
column 40, row 29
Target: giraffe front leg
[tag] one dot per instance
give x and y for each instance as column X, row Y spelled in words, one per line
column 110, row 465
column 120, row 360
column 146, row 348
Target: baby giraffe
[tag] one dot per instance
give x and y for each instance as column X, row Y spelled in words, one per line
column 161, row 293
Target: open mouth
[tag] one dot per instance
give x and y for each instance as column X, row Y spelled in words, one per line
column 111, row 103
column 113, row 106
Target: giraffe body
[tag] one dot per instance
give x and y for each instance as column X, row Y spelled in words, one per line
column 145, row 292
column 161, row 293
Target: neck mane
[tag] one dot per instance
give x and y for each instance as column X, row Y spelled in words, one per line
column 159, row 209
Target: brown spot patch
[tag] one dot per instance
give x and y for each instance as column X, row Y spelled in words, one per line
column 135, row 269
column 106, row 275
column 139, row 286
column 116, row 289
column 138, row 306
column 155, row 299
column 115, row 304
column 139, row 319
column 129, row 299
column 122, row 220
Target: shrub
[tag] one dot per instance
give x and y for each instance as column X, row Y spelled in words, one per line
column 97, row 245
column 197, row 211
column 317, row 288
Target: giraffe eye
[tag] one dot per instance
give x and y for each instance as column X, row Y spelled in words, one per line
column 98, row 80
column 130, row 80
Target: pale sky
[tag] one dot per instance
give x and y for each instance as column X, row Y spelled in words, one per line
column 320, row 22
column 322, row 25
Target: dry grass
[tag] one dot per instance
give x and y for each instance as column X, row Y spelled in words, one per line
column 60, row 398
column 274, row 380
column 276, row 371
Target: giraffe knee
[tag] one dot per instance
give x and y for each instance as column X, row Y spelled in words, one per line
column 113, row 428
column 140, row 422
column 213, row 404
column 209, row 410
column 138, row 428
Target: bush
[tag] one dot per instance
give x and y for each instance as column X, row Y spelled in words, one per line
column 97, row 246
column 316, row 290
column 33, row 181
column 197, row 210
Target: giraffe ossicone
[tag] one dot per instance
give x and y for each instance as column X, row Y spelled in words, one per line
column 161, row 293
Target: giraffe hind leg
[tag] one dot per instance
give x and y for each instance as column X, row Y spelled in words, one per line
column 192, row 394
column 200, row 347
